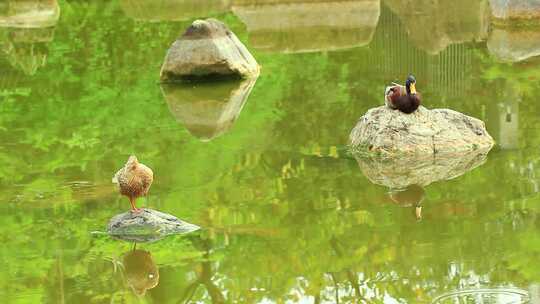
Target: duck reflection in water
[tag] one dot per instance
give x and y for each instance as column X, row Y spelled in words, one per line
column 140, row 271
column 411, row 196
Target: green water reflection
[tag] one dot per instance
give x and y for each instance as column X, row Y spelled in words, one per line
column 287, row 215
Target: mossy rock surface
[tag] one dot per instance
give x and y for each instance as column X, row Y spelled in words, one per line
column 147, row 225
column 388, row 133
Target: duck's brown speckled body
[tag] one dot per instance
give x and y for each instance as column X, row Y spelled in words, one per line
column 134, row 180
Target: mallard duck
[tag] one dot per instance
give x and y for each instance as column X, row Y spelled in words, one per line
column 404, row 98
column 134, row 180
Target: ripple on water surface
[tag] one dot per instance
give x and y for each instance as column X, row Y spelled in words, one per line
column 485, row 296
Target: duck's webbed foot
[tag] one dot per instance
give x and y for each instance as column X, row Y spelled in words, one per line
column 134, row 209
column 137, row 210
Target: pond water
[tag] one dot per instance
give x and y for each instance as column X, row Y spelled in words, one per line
column 287, row 215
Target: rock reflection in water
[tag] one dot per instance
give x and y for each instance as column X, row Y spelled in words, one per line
column 399, row 173
column 172, row 10
column 140, row 270
column 308, row 26
column 407, row 177
column 29, row 13
column 514, row 44
column 25, row 29
column 434, row 25
column 503, row 115
column 207, row 110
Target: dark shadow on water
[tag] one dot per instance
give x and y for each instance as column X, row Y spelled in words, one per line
column 207, row 109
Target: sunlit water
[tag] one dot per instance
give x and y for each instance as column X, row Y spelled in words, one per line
column 287, row 215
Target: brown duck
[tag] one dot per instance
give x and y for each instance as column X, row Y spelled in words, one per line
column 134, row 180
column 141, row 271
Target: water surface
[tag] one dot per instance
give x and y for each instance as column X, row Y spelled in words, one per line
column 287, row 215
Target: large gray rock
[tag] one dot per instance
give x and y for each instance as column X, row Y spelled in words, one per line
column 515, row 9
column 390, row 133
column 147, row 225
column 208, row 48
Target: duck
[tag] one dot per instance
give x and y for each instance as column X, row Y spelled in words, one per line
column 141, row 272
column 411, row 196
column 134, row 180
column 403, row 98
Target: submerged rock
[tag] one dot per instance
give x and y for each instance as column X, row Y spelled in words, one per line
column 208, row 110
column 399, row 173
column 426, row 133
column 147, row 225
column 208, row 48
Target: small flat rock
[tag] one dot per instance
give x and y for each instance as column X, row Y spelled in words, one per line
column 390, row 133
column 208, row 49
column 147, row 226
